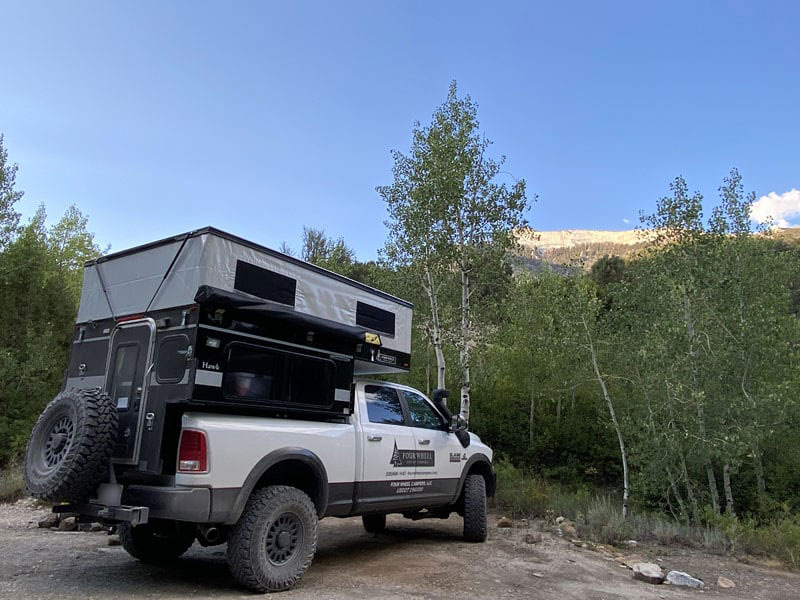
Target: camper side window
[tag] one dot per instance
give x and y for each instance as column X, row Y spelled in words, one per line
column 172, row 355
column 256, row 374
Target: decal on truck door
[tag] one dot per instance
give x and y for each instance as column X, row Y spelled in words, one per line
column 412, row 458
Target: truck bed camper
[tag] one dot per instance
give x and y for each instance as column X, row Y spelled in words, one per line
column 206, row 320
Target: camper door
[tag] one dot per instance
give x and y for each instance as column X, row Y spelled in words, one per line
column 129, row 363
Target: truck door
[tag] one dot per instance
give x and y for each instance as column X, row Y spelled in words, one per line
column 439, row 454
column 387, row 449
column 130, row 358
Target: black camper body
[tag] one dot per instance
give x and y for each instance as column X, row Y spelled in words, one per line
column 211, row 322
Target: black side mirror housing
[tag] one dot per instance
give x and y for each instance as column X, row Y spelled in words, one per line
column 458, row 423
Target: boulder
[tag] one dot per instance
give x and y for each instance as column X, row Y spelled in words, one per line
column 504, row 522
column 648, row 572
column 95, row 527
column 49, row 520
column 560, row 520
column 113, row 540
column 681, row 578
column 533, row 538
column 725, row 583
column 568, row 529
column 68, row 524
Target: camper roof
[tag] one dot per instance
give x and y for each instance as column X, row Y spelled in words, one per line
column 239, row 240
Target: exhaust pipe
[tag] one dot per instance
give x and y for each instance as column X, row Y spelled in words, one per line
column 209, row 535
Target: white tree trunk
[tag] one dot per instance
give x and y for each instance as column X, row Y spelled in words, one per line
column 701, row 421
column 689, row 492
column 464, row 350
column 726, row 484
column 436, row 328
column 673, row 484
column 758, row 465
column 531, row 416
column 613, row 414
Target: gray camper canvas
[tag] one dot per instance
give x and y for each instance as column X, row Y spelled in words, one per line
column 167, row 274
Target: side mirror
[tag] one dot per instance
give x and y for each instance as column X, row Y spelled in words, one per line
column 458, row 423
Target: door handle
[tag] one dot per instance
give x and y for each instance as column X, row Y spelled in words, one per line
column 374, row 438
column 424, row 442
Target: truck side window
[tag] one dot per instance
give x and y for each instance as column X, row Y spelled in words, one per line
column 383, row 405
column 422, row 414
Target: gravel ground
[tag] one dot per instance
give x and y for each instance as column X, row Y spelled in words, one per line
column 424, row 559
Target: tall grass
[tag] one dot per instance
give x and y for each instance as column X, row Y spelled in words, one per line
column 12, row 485
column 597, row 516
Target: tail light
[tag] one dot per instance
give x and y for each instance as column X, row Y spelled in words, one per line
column 193, row 452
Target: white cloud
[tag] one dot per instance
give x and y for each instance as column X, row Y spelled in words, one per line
column 626, row 221
column 781, row 207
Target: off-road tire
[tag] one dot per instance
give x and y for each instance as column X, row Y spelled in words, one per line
column 253, row 542
column 70, row 446
column 157, row 542
column 475, row 519
column 374, row 523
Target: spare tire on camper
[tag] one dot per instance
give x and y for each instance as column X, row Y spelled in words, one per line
column 70, row 448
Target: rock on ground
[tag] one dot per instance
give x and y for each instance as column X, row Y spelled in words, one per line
column 533, row 538
column 725, row 583
column 648, row 572
column 68, row 524
column 504, row 522
column 681, row 578
column 48, row 521
column 568, row 529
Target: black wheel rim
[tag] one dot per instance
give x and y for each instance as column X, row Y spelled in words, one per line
column 59, row 441
column 284, row 536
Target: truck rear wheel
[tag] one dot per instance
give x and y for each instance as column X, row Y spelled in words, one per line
column 70, row 446
column 157, row 541
column 274, row 541
column 475, row 519
column 374, row 523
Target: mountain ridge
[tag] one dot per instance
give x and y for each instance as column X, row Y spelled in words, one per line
column 581, row 248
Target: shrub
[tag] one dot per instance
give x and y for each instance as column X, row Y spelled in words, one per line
column 598, row 516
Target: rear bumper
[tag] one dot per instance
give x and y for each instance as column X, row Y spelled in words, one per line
column 191, row 504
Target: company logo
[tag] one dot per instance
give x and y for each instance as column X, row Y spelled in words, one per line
column 210, row 366
column 412, row 458
column 457, row 457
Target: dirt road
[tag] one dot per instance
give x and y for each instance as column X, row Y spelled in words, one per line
column 426, row 559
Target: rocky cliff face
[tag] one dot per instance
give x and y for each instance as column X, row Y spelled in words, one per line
column 580, row 248
column 569, row 238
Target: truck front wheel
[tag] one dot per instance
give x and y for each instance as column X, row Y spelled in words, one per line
column 158, row 541
column 274, row 541
column 475, row 520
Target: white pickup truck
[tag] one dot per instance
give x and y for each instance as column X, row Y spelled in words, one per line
column 214, row 393
column 270, row 479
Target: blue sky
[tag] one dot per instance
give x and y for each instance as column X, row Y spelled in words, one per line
column 262, row 117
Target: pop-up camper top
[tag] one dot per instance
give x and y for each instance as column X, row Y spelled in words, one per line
column 209, row 321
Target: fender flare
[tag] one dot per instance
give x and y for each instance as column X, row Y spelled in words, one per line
column 272, row 459
column 485, row 465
